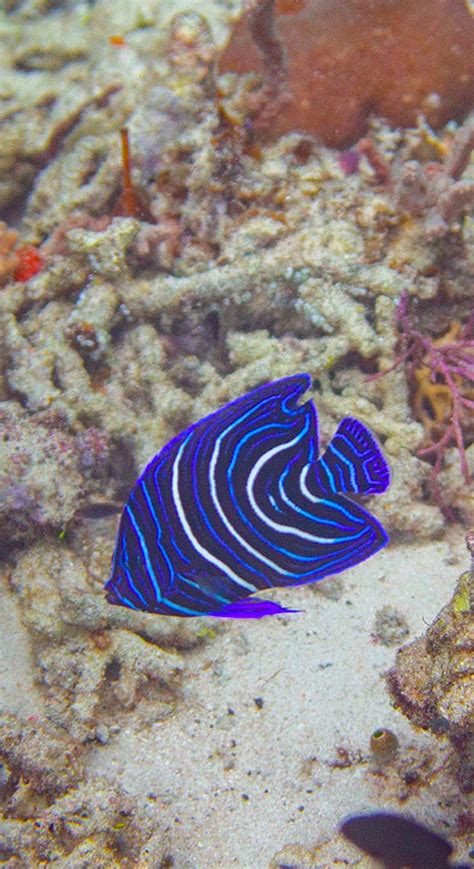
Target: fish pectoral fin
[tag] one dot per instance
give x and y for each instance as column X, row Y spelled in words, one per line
column 251, row 608
column 353, row 462
column 214, row 586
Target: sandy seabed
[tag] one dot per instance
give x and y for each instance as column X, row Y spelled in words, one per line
column 269, row 742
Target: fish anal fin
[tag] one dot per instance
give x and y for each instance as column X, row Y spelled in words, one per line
column 251, row 608
column 353, row 462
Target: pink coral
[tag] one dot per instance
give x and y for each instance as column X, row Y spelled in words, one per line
column 441, row 376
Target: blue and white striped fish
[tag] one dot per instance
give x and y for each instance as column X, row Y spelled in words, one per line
column 240, row 502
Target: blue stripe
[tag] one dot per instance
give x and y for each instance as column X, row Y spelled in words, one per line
column 144, row 552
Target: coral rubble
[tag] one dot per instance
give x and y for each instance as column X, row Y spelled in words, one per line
column 51, row 814
column 90, row 666
column 436, row 191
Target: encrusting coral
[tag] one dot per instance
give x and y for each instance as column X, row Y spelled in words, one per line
column 432, row 680
column 423, row 56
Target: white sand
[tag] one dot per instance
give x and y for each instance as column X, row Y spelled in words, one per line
column 320, row 676
column 18, row 692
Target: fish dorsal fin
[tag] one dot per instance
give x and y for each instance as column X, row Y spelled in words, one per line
column 353, row 462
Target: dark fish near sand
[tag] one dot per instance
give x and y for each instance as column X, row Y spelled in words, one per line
column 399, row 841
column 240, row 502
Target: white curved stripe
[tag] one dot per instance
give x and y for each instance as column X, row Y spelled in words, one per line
column 304, row 487
column 291, row 504
column 315, row 500
column 276, row 526
column 327, row 470
column 188, row 530
column 213, row 489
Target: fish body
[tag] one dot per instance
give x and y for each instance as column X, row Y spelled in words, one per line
column 241, row 501
column 399, row 841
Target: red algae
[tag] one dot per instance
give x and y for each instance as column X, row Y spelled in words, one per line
column 30, row 262
column 348, row 59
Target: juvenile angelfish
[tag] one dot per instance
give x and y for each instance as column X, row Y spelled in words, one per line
column 241, row 502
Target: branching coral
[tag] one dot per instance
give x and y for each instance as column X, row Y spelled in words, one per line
column 312, row 281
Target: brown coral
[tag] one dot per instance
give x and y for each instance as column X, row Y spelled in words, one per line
column 348, row 59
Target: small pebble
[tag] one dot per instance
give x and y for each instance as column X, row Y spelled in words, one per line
column 102, row 734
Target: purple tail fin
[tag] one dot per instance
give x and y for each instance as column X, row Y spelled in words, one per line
column 353, row 462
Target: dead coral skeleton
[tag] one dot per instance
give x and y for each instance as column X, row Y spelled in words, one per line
column 46, row 472
column 50, row 814
column 90, row 669
column 90, row 678
column 40, row 754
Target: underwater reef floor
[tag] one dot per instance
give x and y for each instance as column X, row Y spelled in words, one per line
column 268, row 743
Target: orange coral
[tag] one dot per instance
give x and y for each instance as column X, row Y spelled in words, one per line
column 8, row 257
column 348, row 59
column 130, row 203
column 432, row 402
